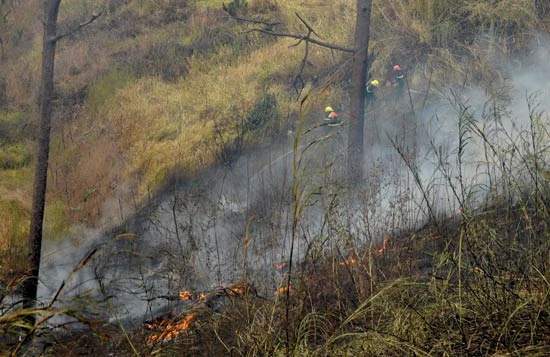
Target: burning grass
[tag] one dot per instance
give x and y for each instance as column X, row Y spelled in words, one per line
column 202, row 304
column 412, row 296
column 168, row 329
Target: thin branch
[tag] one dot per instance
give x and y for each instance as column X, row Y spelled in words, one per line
column 268, row 30
column 305, row 37
column 310, row 29
column 298, row 80
column 79, row 27
column 268, row 25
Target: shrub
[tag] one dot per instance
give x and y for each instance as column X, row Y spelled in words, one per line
column 14, row 156
column 13, row 125
column 266, row 110
column 236, row 7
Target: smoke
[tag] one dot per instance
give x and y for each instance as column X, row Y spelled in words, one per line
column 236, row 223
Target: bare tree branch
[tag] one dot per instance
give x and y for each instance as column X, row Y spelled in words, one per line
column 310, row 29
column 268, row 30
column 298, row 80
column 79, row 27
column 307, row 38
column 268, row 25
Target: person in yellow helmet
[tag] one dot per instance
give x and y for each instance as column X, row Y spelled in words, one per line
column 372, row 85
column 328, row 110
column 332, row 117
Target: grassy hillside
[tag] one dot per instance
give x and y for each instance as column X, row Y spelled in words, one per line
column 150, row 92
column 157, row 89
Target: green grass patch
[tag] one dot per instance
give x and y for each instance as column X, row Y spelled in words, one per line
column 55, row 217
column 14, row 228
column 14, row 153
column 14, row 156
column 102, row 94
column 12, row 125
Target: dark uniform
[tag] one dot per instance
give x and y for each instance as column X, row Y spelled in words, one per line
column 399, row 79
column 371, row 91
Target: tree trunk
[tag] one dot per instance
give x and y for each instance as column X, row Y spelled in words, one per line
column 356, row 151
column 30, row 287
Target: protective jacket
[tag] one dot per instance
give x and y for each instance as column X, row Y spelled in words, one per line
column 332, row 119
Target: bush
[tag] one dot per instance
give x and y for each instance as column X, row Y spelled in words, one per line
column 14, row 156
column 266, row 110
column 13, row 125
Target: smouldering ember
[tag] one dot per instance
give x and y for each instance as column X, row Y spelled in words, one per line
column 280, row 266
column 458, row 212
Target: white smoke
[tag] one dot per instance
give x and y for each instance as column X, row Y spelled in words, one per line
column 236, row 223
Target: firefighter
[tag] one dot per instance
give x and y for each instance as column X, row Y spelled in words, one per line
column 332, row 117
column 399, row 78
column 399, row 75
column 371, row 90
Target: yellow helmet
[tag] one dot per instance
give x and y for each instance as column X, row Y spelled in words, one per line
column 329, row 109
column 375, row 82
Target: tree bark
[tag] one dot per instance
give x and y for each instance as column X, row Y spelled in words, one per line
column 30, row 287
column 356, row 150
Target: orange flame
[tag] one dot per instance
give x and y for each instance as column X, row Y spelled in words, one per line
column 236, row 291
column 284, row 289
column 383, row 247
column 349, row 261
column 170, row 330
column 381, row 250
column 185, row 295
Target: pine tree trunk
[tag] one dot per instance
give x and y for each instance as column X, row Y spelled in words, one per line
column 356, row 151
column 30, row 287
